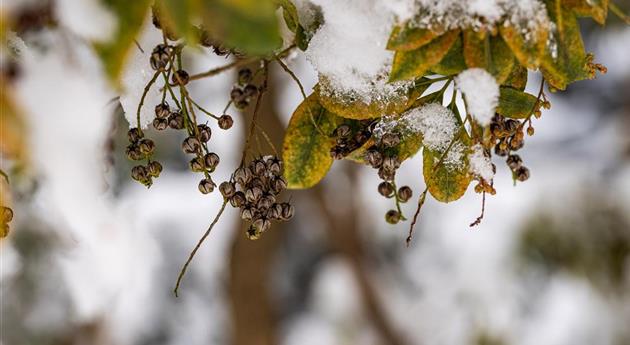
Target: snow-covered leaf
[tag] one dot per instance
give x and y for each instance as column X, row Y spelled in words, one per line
column 406, row 37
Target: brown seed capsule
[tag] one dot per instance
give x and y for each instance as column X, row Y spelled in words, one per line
column 155, row 168
column 139, row 173
column 180, row 77
column 497, row 130
column 374, row 158
column 530, row 131
column 514, row 162
column 162, row 110
column 516, row 144
column 238, row 199
column 244, row 76
column 160, row 57
column 242, row 104
column 197, row 164
column 6, row 214
column 227, row 189
column 247, row 213
column 275, row 212
column 258, row 167
column 342, row 131
column 386, row 175
column 236, row 95
column 537, row 114
column 511, row 125
column 361, row 137
column 253, row 194
column 133, row 152
column 287, row 211
column 146, row 146
column 274, row 165
column 242, row 175
column 212, row 160
column 265, row 202
column 386, row 189
column 252, row 233
column 277, row 185
column 522, row 174
column 390, row 140
column 206, row 186
column 404, row 193
column 225, row 122
column 160, row 123
column 250, row 91
column 204, row 133
column 191, row 145
column 391, row 163
column 256, row 182
column 176, row 120
column 392, row 217
column 134, row 134
column 337, row 153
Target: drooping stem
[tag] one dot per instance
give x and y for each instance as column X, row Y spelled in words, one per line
column 421, row 201
column 144, row 95
column 252, row 127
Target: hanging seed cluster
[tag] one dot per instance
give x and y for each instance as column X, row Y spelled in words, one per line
column 7, row 217
column 244, row 91
column 254, row 189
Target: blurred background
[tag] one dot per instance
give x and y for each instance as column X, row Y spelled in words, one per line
column 93, row 256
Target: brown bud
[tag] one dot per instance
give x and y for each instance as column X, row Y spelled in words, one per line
column 212, row 160
column 287, row 211
column 162, row 110
column 146, row 146
column 265, row 202
column 176, row 120
column 242, row 175
column 160, row 123
column 253, row 194
column 197, row 164
column 530, row 131
column 191, row 145
column 238, row 199
column 261, row 224
column 155, row 168
column 511, row 125
column 516, row 144
column 133, row 152
column 390, row 140
column 225, row 122
column 180, row 77
column 501, row 150
column 227, row 189
column 275, row 212
column 386, row 189
column 204, row 133
column 258, row 167
column 134, row 134
column 274, row 165
column 6, row 214
column 522, row 174
column 392, row 216
column 404, row 193
column 277, row 185
column 247, row 213
column 139, row 173
column 206, row 186
column 160, row 57
column 514, row 162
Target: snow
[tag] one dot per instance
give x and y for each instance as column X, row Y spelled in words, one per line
column 348, row 51
column 136, row 74
column 480, row 165
column 481, row 93
column 436, row 123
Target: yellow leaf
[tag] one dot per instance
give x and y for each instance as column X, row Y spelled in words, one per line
column 528, row 51
column 405, row 37
column 489, row 52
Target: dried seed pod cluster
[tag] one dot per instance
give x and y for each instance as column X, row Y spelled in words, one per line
column 254, row 190
column 348, row 139
column 141, row 148
column 6, row 213
column 244, row 91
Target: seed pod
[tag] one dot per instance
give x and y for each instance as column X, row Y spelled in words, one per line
column 225, row 122
column 244, row 76
column 252, row 233
column 160, row 123
column 250, row 91
column 180, row 77
column 204, row 133
column 238, row 199
column 391, row 163
column 160, row 57
column 212, row 160
column 265, row 202
column 390, row 140
column 176, row 120
column 404, row 193
column 392, row 217
column 498, row 130
column 242, row 175
column 133, row 152
column 253, row 194
column 516, row 144
column 162, row 110
column 514, row 162
column 274, row 212
column 522, row 174
column 256, row 182
column 6, row 214
column 511, row 125
column 197, row 164
column 227, row 189
column 135, row 134
column 361, row 137
column 337, row 153
column 497, row 118
column 500, row 150
column 374, row 158
column 530, row 131
column 277, row 185
column 386, row 175
column 146, row 146
column 155, row 168
column 287, row 211
column 258, row 167
column 386, row 189
column 242, row 104
column 342, row 131
column 139, row 173
column 191, row 145
column 247, row 213
column 206, row 186
column 236, row 95
column 274, row 165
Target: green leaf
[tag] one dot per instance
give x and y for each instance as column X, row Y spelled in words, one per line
column 447, row 182
column 453, row 62
column 515, row 104
column 290, row 14
column 571, row 62
column 528, row 52
column 306, row 150
column 177, row 15
column 248, row 26
column 130, row 15
column 517, row 78
column 406, row 37
column 489, row 52
column 415, row 63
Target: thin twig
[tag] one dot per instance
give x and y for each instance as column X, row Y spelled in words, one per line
column 619, row 13
column 144, row 95
column 202, row 109
column 182, row 272
column 138, row 45
column 255, row 115
column 421, row 200
column 483, row 209
column 293, row 76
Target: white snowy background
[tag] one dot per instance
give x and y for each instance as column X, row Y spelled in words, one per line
column 111, row 254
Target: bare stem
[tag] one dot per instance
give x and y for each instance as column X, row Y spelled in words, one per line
column 286, row 69
column 421, row 201
column 144, row 95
